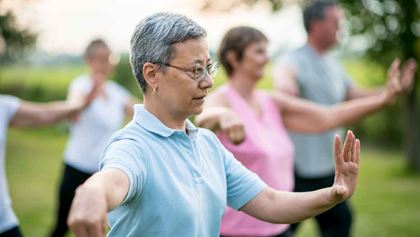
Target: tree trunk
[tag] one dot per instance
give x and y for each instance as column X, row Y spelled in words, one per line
column 412, row 132
column 412, row 105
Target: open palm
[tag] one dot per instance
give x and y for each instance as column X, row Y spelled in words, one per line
column 346, row 167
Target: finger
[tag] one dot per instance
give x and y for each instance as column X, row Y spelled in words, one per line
column 234, row 137
column 79, row 231
column 348, row 144
column 241, row 135
column 394, row 67
column 411, row 64
column 408, row 69
column 356, row 151
column 231, row 135
column 241, row 130
column 394, row 72
column 95, row 230
column 238, row 133
column 337, row 150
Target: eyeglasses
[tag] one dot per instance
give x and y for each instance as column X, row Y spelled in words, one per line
column 199, row 73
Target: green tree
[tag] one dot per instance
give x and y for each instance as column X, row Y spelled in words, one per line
column 392, row 28
column 14, row 40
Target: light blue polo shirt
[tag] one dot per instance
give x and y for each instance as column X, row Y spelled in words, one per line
column 180, row 182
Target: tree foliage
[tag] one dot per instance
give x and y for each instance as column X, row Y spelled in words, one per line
column 14, row 39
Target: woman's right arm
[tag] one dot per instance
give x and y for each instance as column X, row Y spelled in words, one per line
column 101, row 193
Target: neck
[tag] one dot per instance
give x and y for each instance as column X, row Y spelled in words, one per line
column 316, row 45
column 243, row 83
column 171, row 120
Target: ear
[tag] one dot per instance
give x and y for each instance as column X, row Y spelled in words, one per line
column 232, row 58
column 150, row 71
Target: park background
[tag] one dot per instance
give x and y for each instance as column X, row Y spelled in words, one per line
column 42, row 54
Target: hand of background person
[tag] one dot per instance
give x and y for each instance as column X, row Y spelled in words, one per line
column 232, row 126
column 346, row 167
column 393, row 87
column 98, row 81
column 81, row 101
column 407, row 75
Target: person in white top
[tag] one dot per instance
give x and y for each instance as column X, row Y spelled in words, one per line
column 17, row 113
column 90, row 131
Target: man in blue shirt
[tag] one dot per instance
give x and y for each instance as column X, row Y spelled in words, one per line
column 161, row 176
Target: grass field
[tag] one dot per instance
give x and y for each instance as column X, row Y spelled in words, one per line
column 386, row 203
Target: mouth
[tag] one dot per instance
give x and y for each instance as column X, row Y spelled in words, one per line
column 199, row 98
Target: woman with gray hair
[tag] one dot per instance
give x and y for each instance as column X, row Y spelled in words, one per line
column 162, row 176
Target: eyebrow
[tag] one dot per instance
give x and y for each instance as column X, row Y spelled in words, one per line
column 199, row 61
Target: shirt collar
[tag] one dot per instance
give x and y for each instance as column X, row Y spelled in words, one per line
column 152, row 124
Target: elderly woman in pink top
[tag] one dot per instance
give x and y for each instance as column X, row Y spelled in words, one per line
column 252, row 123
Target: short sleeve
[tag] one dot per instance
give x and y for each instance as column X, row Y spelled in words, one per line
column 8, row 106
column 242, row 184
column 126, row 156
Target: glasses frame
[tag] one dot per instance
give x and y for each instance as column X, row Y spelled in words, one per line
column 209, row 70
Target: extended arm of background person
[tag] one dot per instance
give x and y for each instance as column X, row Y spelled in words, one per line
column 287, row 207
column 37, row 114
column 304, row 116
column 285, row 82
column 407, row 78
column 355, row 92
column 101, row 193
column 217, row 116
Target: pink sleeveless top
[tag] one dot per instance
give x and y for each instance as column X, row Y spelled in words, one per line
column 267, row 151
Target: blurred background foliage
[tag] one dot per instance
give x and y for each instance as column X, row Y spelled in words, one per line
column 385, row 28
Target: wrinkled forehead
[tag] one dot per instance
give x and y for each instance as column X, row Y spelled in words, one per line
column 192, row 51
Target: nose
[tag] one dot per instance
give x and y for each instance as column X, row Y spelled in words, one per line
column 206, row 83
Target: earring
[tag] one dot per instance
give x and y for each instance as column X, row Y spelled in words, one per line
column 154, row 90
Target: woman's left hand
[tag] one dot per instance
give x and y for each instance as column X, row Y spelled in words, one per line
column 346, row 167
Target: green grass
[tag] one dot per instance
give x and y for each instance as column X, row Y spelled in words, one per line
column 386, row 202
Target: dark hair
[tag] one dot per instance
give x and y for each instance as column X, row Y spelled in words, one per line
column 315, row 11
column 93, row 46
column 153, row 40
column 236, row 40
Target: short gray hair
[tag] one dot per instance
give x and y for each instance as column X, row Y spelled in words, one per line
column 153, row 38
column 315, row 11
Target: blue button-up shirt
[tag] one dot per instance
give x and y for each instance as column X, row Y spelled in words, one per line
column 180, row 181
